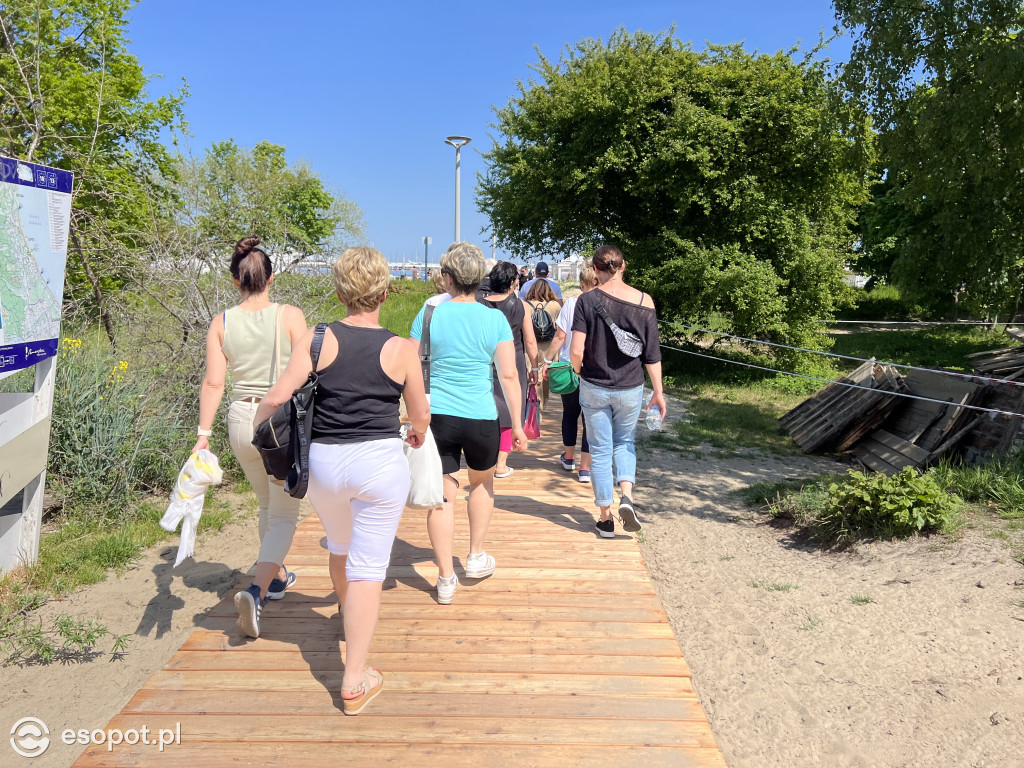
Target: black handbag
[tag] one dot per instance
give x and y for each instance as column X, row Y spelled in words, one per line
column 283, row 439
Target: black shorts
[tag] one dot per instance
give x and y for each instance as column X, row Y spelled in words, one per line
column 477, row 438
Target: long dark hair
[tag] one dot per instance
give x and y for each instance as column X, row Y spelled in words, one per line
column 251, row 266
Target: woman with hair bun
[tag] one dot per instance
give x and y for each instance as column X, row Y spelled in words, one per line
column 611, row 373
column 253, row 341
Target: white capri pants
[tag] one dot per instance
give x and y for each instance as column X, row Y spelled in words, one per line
column 358, row 491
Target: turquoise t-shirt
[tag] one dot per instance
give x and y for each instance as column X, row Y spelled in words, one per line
column 463, row 337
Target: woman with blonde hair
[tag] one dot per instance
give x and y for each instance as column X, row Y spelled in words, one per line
column 358, row 474
column 466, row 339
column 253, row 341
column 614, row 337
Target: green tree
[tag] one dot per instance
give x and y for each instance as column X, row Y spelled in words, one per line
column 239, row 191
column 943, row 80
column 74, row 98
column 729, row 179
column 229, row 193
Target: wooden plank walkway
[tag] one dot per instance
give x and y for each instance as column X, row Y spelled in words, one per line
column 563, row 657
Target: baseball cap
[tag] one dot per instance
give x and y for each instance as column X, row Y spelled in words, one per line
column 542, row 268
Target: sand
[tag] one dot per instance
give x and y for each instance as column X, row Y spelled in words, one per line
column 930, row 672
column 159, row 604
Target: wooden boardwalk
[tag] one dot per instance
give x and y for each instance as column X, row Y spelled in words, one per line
column 563, row 657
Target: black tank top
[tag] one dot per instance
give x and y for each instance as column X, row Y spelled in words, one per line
column 355, row 400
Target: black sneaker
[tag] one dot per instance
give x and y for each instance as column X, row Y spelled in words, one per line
column 630, row 522
column 249, row 607
column 606, row 528
column 277, row 587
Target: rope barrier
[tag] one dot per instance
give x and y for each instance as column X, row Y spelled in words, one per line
column 957, row 374
column 992, row 411
column 916, row 323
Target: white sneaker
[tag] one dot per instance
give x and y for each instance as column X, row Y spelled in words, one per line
column 479, row 566
column 446, row 589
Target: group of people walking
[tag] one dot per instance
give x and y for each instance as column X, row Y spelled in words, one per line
column 483, row 353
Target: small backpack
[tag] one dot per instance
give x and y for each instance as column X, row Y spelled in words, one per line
column 543, row 327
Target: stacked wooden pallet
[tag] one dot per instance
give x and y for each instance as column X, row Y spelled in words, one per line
column 919, row 432
column 1005, row 363
column 888, row 431
column 839, row 415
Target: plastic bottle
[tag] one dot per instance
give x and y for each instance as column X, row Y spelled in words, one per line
column 654, row 418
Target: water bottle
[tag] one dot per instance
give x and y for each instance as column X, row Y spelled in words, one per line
column 654, row 418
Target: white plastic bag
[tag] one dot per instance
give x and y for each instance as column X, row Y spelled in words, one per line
column 200, row 472
column 426, row 490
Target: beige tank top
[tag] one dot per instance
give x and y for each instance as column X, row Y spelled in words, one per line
column 251, row 352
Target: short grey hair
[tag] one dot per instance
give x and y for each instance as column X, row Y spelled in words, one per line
column 464, row 263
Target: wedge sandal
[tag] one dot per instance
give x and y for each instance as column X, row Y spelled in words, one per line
column 372, row 684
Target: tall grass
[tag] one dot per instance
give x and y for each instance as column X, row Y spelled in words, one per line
column 999, row 482
column 117, row 432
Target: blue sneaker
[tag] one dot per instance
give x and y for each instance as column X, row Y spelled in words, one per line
column 567, row 464
column 249, row 607
column 584, row 475
column 278, row 586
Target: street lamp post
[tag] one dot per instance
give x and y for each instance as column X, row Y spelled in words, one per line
column 458, row 142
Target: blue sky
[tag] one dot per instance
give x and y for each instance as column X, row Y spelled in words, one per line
column 367, row 92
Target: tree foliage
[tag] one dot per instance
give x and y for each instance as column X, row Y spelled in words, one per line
column 229, row 193
column 235, row 191
column 730, row 179
column 944, row 81
column 75, row 98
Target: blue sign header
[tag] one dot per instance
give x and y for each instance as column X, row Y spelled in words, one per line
column 33, row 175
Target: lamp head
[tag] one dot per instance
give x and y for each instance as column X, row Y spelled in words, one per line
column 458, row 141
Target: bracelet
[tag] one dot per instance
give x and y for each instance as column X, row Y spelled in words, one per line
column 204, row 432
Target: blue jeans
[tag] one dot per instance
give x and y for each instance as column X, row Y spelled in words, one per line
column 611, row 416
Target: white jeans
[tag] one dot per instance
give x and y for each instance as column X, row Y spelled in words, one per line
column 279, row 512
column 358, row 491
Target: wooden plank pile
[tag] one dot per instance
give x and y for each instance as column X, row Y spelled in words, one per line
column 1005, row 363
column 919, row 432
column 888, row 432
column 839, row 416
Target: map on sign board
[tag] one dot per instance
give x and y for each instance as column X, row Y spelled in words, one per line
column 35, row 216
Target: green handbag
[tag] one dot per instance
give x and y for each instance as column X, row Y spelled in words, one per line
column 562, row 379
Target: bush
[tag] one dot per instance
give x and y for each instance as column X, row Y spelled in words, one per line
column 116, row 433
column 837, row 510
column 876, row 505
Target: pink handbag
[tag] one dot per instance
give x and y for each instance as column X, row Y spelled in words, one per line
column 532, row 425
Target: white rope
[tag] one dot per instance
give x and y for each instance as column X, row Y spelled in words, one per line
column 914, row 322
column 993, row 411
column 957, row 374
